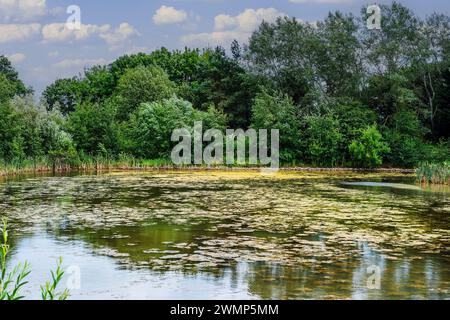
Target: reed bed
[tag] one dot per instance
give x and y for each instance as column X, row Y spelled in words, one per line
column 434, row 173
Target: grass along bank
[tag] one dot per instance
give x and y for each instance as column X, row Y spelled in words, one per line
column 129, row 163
column 434, row 173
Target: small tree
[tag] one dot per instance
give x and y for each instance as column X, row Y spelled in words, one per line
column 277, row 111
column 143, row 85
column 6, row 89
column 367, row 150
column 322, row 139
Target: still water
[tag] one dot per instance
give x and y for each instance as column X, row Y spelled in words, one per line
column 233, row 235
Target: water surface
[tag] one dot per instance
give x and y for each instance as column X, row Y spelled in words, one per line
column 233, row 235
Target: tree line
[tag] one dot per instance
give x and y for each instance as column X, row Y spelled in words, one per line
column 340, row 94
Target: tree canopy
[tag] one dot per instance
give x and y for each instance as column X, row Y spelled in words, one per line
column 340, row 95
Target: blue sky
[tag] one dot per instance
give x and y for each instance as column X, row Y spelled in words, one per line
column 34, row 35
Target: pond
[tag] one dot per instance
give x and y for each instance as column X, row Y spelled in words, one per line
column 233, row 235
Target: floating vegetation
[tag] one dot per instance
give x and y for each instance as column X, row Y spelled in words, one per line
column 433, row 173
column 213, row 221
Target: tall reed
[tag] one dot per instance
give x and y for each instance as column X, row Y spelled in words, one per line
column 434, row 173
column 13, row 281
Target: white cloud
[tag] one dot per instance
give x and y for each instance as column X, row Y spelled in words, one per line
column 71, row 63
column 120, row 34
column 53, row 54
column 169, row 15
column 16, row 57
column 60, row 32
column 18, row 32
column 21, row 10
column 227, row 28
column 246, row 21
column 57, row 32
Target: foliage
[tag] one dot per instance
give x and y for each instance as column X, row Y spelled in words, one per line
column 6, row 89
column 277, row 111
column 64, row 95
column 320, row 84
column 12, row 282
column 367, row 150
column 48, row 291
column 151, row 126
column 434, row 173
column 404, row 136
column 93, row 128
column 281, row 53
column 322, row 141
column 8, row 71
column 140, row 85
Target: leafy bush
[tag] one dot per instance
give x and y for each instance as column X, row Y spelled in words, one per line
column 143, row 85
column 434, row 173
column 322, row 140
column 368, row 149
column 436, row 153
column 150, row 128
column 277, row 111
column 404, row 137
column 93, row 128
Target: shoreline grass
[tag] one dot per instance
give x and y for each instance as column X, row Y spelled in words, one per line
column 434, row 173
column 43, row 166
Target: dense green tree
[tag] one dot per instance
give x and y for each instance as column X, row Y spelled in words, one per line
column 397, row 44
column 151, row 126
column 388, row 94
column 338, row 60
column 277, row 111
column 100, row 84
column 64, row 95
column 7, row 70
column 322, row 140
column 353, row 117
column 441, row 127
column 284, row 53
column 128, row 62
column 404, row 136
column 222, row 82
column 94, row 129
column 367, row 150
column 56, row 142
column 11, row 143
column 143, row 84
column 6, row 89
column 21, row 128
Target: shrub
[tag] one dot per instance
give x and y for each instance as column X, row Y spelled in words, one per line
column 277, row 111
column 93, row 128
column 368, row 149
column 149, row 131
column 434, row 173
column 143, row 85
column 323, row 139
column 405, row 139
